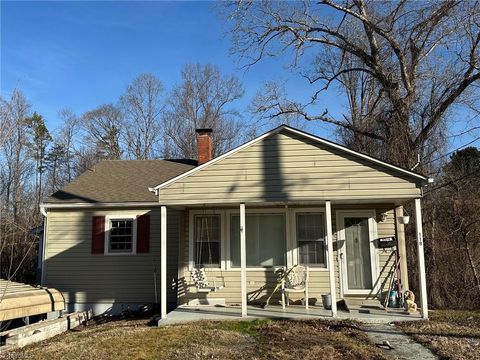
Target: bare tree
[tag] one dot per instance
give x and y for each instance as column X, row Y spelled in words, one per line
column 271, row 92
column 452, row 232
column 67, row 138
column 202, row 100
column 422, row 58
column 55, row 164
column 87, row 158
column 6, row 124
column 16, row 168
column 102, row 129
column 142, row 106
column 17, row 250
column 16, row 191
column 365, row 111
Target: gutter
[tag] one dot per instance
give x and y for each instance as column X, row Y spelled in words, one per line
column 45, row 206
column 153, row 190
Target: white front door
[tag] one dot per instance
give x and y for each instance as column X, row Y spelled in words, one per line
column 358, row 256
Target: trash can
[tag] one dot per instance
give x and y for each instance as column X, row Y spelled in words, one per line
column 327, row 301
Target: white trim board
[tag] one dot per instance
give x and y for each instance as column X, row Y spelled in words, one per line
column 297, row 132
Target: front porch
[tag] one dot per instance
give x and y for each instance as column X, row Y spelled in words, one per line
column 246, row 287
column 185, row 313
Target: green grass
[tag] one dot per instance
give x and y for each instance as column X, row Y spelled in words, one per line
column 451, row 334
column 250, row 328
column 259, row 339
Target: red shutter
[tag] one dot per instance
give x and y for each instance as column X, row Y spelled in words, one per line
column 98, row 234
column 143, row 233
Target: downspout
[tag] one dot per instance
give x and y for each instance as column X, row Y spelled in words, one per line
column 159, row 305
column 43, row 246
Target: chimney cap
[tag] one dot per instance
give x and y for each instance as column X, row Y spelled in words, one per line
column 203, row 131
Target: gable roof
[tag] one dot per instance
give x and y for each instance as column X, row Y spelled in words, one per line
column 119, row 181
column 318, row 139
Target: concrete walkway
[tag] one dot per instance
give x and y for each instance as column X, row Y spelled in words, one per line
column 404, row 347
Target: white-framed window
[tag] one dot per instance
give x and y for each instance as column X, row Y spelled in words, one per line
column 310, row 235
column 120, row 235
column 207, row 234
column 265, row 239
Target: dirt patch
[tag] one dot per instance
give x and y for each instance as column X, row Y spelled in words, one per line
column 317, row 340
column 451, row 334
column 208, row 340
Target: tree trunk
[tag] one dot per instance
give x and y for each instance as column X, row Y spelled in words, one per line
column 472, row 263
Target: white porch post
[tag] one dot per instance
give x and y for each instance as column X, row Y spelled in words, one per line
column 331, row 270
column 402, row 247
column 421, row 260
column 243, row 260
column 163, row 262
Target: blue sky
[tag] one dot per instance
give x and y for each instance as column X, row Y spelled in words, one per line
column 83, row 54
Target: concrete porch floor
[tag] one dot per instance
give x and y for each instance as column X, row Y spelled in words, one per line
column 185, row 313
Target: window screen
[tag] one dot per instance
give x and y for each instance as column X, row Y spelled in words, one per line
column 265, row 240
column 207, row 240
column 121, row 236
column 311, row 238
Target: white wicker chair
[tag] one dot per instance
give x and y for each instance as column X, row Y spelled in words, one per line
column 295, row 280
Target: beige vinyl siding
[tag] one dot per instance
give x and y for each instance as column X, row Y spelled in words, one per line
column 386, row 256
column 289, row 167
column 85, row 278
column 261, row 283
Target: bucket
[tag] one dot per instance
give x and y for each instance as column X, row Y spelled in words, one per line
column 327, row 301
column 392, row 299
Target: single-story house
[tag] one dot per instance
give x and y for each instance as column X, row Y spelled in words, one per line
column 127, row 233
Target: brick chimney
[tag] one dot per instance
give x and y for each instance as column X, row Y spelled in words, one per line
column 204, row 145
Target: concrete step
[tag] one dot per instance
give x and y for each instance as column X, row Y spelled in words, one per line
column 364, row 305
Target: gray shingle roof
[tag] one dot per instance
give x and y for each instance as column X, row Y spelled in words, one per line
column 119, row 181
